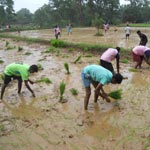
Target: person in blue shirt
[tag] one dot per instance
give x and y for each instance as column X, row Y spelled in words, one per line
column 98, row 76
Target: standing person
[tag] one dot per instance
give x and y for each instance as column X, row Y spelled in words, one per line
column 57, row 31
column 20, row 72
column 98, row 76
column 143, row 38
column 127, row 32
column 109, row 55
column 139, row 53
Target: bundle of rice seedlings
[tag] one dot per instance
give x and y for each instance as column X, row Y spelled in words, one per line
column 77, row 59
column 116, row 94
column 66, row 65
column 62, row 88
column 46, row 80
column 133, row 70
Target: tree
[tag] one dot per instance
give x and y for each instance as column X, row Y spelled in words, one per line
column 23, row 16
column 6, row 12
column 98, row 23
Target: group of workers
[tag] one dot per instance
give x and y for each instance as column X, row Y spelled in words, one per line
column 97, row 75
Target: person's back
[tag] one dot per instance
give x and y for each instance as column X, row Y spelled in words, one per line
column 98, row 73
column 109, row 54
column 17, row 69
column 139, row 50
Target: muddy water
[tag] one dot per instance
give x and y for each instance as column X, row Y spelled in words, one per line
column 44, row 123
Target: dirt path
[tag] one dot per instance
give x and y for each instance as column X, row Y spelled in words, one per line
column 28, row 123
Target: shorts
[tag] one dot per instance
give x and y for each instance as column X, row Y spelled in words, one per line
column 7, row 78
column 86, row 80
column 107, row 65
column 136, row 58
column 147, row 56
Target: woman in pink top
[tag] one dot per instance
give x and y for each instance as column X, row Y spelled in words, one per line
column 109, row 55
column 139, row 53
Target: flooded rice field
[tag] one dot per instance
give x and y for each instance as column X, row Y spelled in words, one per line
column 43, row 123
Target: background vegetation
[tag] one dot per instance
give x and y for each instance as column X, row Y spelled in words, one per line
column 77, row 12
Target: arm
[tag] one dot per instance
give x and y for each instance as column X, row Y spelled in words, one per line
column 117, row 62
column 28, row 87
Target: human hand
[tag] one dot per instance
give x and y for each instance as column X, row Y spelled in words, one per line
column 31, row 82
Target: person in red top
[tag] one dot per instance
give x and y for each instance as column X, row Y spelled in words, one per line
column 139, row 53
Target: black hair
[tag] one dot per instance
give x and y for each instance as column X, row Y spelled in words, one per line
column 118, row 49
column 34, row 68
column 138, row 31
column 118, row 77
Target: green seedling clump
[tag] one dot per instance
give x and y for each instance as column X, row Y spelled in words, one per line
column 1, row 61
column 117, row 94
column 40, row 67
column 66, row 66
column 46, row 80
column 28, row 53
column 125, row 61
column 62, row 88
column 77, row 59
column 74, row 91
column 20, row 49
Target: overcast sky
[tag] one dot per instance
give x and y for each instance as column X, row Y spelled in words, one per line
column 33, row 5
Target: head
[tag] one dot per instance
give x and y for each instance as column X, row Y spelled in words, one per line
column 138, row 32
column 33, row 68
column 118, row 49
column 117, row 78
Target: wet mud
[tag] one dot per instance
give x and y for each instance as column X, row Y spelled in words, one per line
column 45, row 123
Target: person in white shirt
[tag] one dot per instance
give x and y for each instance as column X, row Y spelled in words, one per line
column 127, row 32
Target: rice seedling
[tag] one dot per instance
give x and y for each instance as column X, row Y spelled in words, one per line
column 62, row 88
column 10, row 47
column 6, row 43
column 1, row 61
column 74, row 91
column 66, row 66
column 2, row 76
column 125, row 61
column 116, row 94
column 28, row 53
column 20, row 49
column 40, row 67
column 45, row 80
column 133, row 70
column 50, row 50
column 77, row 59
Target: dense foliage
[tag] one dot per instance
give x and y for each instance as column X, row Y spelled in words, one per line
column 77, row 12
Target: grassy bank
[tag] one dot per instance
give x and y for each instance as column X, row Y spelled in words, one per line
column 92, row 48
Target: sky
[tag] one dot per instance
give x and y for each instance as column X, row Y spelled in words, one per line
column 33, row 5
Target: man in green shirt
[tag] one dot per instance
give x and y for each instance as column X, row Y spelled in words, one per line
column 20, row 72
column 98, row 76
